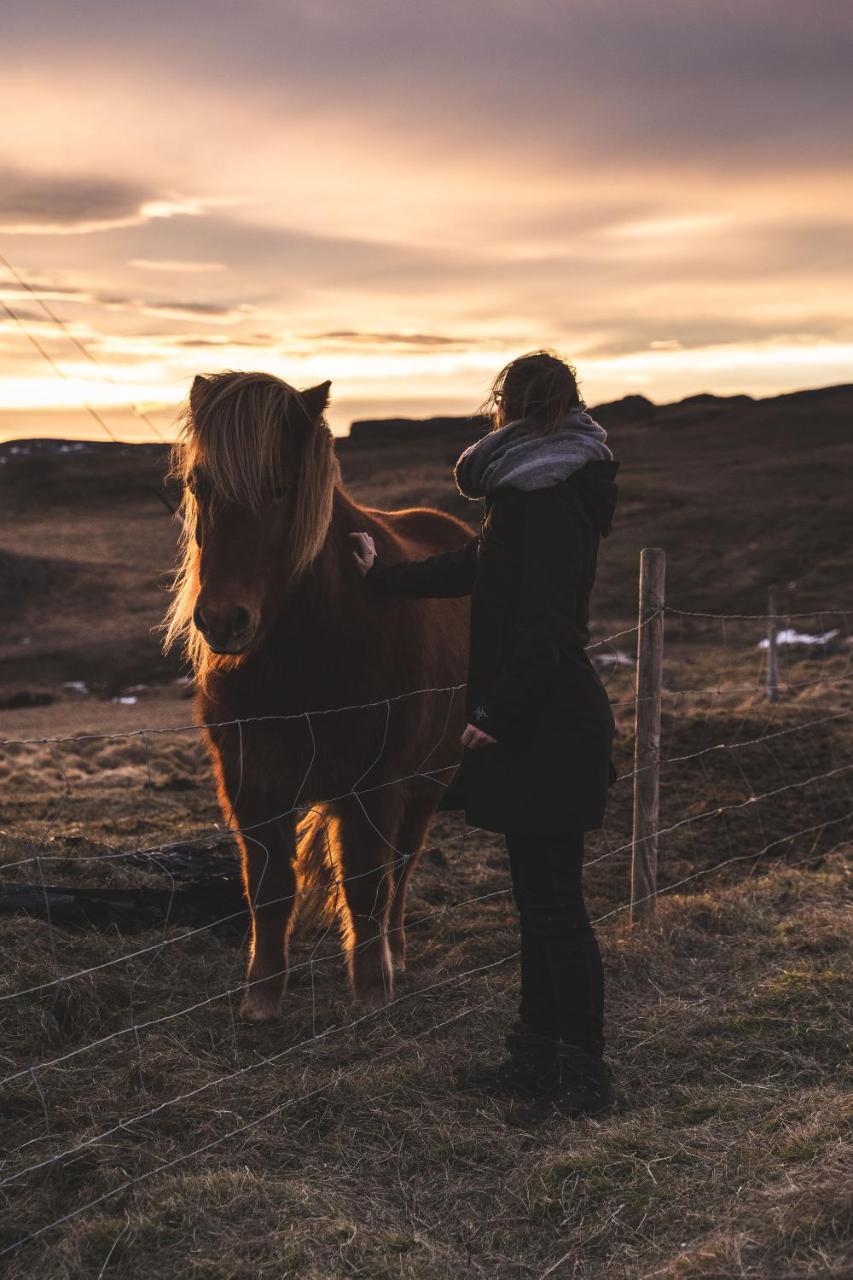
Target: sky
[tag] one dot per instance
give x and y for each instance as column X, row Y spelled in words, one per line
column 401, row 197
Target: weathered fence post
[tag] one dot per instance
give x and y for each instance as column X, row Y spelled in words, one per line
column 644, row 852
column 772, row 651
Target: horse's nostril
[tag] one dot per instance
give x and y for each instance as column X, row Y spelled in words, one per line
column 240, row 620
column 223, row 628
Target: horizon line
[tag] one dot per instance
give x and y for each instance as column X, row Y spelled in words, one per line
column 403, row 417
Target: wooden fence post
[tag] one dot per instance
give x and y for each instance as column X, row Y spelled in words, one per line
column 644, row 852
column 772, row 650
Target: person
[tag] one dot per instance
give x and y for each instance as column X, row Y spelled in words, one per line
column 536, row 764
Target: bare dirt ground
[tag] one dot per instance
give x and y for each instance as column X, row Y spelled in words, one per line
column 147, row 1132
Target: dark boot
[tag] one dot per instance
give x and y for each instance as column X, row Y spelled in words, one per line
column 530, row 1068
column 583, row 1087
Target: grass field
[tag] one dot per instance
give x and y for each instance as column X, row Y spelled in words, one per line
column 335, row 1143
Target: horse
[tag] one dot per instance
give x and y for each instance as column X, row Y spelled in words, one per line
column 332, row 716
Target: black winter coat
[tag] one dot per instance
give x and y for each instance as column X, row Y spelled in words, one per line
column 531, row 685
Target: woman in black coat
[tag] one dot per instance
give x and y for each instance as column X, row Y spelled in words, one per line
column 536, row 765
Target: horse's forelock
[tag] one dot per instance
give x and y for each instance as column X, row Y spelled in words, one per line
column 242, row 431
column 249, row 433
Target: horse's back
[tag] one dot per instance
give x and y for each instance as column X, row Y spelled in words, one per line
column 423, row 529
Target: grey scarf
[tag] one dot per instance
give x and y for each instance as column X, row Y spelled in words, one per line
column 518, row 457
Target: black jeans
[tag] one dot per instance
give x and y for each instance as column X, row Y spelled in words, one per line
column 562, row 979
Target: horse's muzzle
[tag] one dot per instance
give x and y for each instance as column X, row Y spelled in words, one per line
column 228, row 630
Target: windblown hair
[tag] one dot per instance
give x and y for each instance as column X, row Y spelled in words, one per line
column 539, row 387
column 250, row 439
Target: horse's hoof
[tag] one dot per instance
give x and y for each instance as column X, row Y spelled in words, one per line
column 260, row 1008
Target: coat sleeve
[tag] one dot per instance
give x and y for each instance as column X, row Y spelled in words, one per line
column 553, row 542
column 451, row 573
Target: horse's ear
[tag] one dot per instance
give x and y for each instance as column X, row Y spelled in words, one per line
column 315, row 400
column 197, row 394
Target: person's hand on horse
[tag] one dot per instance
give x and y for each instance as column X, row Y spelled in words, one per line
column 475, row 738
column 364, row 551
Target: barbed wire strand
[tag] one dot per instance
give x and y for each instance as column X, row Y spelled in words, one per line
column 757, row 617
column 717, row 691
column 91, row 410
column 80, row 345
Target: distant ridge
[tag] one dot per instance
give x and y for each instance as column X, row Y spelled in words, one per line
column 637, row 409
column 389, row 430
column 50, row 447
column 629, row 409
column 694, row 410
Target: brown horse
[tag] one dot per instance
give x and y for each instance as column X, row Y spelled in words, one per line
column 278, row 624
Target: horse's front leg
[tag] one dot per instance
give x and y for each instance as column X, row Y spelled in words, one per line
column 367, row 860
column 269, row 879
column 420, row 805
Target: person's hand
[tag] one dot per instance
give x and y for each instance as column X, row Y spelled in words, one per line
column 475, row 738
column 364, row 551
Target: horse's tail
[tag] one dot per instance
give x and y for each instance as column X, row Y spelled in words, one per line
column 315, row 869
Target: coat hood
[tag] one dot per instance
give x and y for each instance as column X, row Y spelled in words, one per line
column 596, row 484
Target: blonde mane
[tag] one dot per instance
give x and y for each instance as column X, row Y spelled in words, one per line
column 248, row 433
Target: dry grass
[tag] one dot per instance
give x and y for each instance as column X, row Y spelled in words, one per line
column 340, row 1150
column 316, row 1148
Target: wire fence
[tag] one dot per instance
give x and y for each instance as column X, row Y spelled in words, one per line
column 805, row 809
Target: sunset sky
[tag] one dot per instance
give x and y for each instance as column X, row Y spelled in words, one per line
column 401, row 196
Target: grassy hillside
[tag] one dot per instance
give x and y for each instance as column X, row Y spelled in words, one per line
column 740, row 493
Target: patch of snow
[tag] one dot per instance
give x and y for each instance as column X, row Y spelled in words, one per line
column 791, row 637
column 125, row 700
column 79, row 686
column 617, row 659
